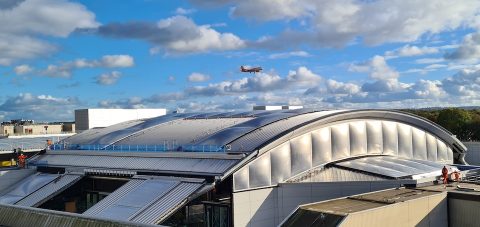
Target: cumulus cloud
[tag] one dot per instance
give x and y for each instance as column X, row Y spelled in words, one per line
column 39, row 107
column 198, row 77
column 289, row 54
column 377, row 68
column 338, row 22
column 130, row 103
column 23, row 69
column 183, row 11
column 108, row 61
column 469, row 49
column 23, row 24
column 408, row 51
column 177, row 34
column 108, row 78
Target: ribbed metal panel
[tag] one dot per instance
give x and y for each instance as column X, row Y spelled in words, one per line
column 334, row 174
column 161, row 208
column 194, row 165
column 254, row 139
column 89, row 136
column 49, row 190
column 114, row 197
column 26, row 187
column 12, row 177
column 34, row 217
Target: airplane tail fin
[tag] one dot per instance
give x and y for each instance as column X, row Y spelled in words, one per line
column 242, row 68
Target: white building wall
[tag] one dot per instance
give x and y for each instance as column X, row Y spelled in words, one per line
column 269, row 206
column 92, row 118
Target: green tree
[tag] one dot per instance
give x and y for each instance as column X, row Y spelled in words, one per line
column 456, row 121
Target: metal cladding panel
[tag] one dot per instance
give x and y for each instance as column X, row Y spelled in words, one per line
column 442, row 151
column 51, row 189
column 367, row 167
column 180, row 132
column 301, row 153
column 374, row 137
column 26, row 187
column 321, row 146
column 113, row 197
column 390, row 138
column 419, row 144
column 431, row 148
column 258, row 137
column 449, row 154
column 137, row 199
column 340, row 141
column 91, row 135
column 358, row 138
column 260, row 172
column 240, row 179
column 280, row 158
column 404, row 141
column 196, row 165
column 226, row 135
column 161, row 208
column 392, row 166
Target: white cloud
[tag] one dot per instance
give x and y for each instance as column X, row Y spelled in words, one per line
column 377, row 68
column 198, row 77
column 108, row 78
column 23, row 69
column 116, row 61
column 39, row 107
column 23, row 23
column 66, row 69
column 408, row 51
column 183, row 11
column 336, row 87
column 429, row 60
column 469, row 49
column 289, row 54
column 175, row 35
column 303, row 77
column 339, row 22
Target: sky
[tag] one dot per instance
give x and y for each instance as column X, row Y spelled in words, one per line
column 60, row 55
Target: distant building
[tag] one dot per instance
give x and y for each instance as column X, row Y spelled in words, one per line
column 95, row 118
column 29, row 127
column 277, row 107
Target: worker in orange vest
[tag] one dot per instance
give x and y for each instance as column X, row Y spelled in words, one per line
column 445, row 175
column 21, row 160
column 457, row 176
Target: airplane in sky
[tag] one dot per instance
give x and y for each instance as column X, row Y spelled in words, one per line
column 250, row 70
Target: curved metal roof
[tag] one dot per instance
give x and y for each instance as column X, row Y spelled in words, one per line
column 237, row 131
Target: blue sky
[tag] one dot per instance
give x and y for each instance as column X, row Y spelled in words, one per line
column 61, row 55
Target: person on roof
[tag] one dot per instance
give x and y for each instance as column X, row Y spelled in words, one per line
column 21, row 160
column 456, row 174
column 445, row 175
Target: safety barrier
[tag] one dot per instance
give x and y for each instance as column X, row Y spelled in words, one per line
column 141, row 148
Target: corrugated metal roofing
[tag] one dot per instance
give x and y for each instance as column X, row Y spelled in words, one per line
column 392, row 166
column 35, row 143
column 51, row 189
column 145, row 201
column 26, row 187
column 113, row 197
column 334, row 174
column 254, row 139
column 208, row 166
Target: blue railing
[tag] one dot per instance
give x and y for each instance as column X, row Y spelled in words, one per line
column 140, row 148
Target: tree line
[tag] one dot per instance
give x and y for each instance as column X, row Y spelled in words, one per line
column 465, row 124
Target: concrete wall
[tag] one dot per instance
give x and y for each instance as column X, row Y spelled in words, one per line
column 38, row 129
column 269, row 206
column 92, row 118
column 473, row 153
column 425, row 211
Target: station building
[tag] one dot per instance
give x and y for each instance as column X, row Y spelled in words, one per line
column 225, row 169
